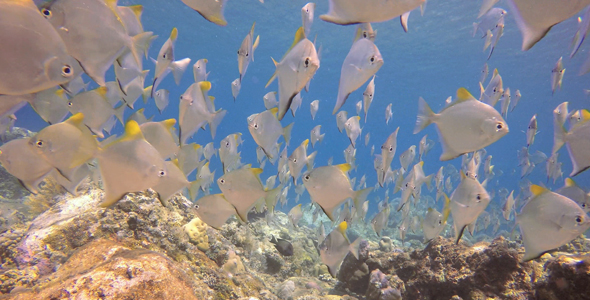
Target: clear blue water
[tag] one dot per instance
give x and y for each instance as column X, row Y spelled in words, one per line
column 437, row 56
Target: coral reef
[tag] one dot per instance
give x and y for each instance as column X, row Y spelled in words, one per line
column 197, row 233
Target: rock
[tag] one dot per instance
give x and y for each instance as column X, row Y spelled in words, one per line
column 285, row 290
column 197, row 233
column 567, row 278
column 380, row 289
column 353, row 273
column 233, row 265
column 385, row 244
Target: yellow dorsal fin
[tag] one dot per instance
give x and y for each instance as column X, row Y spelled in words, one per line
column 569, row 182
column 537, row 189
column 196, row 146
column 175, row 162
column 205, row 60
column 256, row 42
column 256, row 171
column 463, row 95
column 132, row 131
column 211, row 98
column 299, row 35
column 585, row 114
column 342, row 227
column 206, row 165
column 252, row 29
column 76, row 119
column 357, row 36
column 463, row 175
column 358, row 118
column 274, row 111
column 495, row 73
column 344, row 167
column 421, row 163
column 174, row 34
column 102, row 91
column 169, row 123
column 305, row 143
column 430, row 209
column 446, row 208
column 205, row 85
column 60, row 93
column 137, row 10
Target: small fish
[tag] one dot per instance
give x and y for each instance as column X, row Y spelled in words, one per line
column 214, row 210
column 534, row 20
column 200, row 70
column 387, row 153
column 299, row 159
column 517, row 96
column 211, row 10
column 97, row 110
column 380, row 220
column 341, row 119
column 508, row 206
column 209, row 150
column 407, row 157
column 505, row 102
column 295, row 70
column 549, row 220
column 195, row 111
column 204, row 179
column 484, row 73
column 295, row 214
column 171, row 183
column 531, row 131
column 350, row 156
column 493, row 91
column 575, row 118
column 351, row 12
column 336, row 246
column 41, row 60
column 468, row 201
column 577, row 140
column 270, row 100
column 329, row 186
column 266, row 129
column 246, row 52
column 368, row 96
column 296, row 103
column 560, row 114
column 353, row 129
column 497, row 34
column 465, row 126
column 424, row 146
column 367, row 138
column 236, row 85
column 314, row 106
column 129, row 164
column 388, row 113
column 165, row 62
column 284, row 247
column 572, row 191
column 228, row 151
column 307, row 12
column 361, row 63
column 23, row 162
column 51, row 105
column 365, row 31
column 359, row 107
column 489, row 21
column 316, row 136
column 557, row 76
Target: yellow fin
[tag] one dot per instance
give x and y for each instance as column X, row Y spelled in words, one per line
column 446, row 208
column 132, row 131
column 274, row 111
column 60, row 93
column 102, row 91
column 342, row 227
column 211, row 98
column 344, row 167
column 256, row 171
column 205, row 85
column 569, row 182
column 174, row 34
column 464, row 95
column 358, row 118
column 256, row 42
column 585, row 114
column 305, row 143
column 357, row 36
column 169, row 123
column 76, row 119
column 463, row 175
column 299, row 35
column 137, row 10
column 537, row 189
column 196, row 146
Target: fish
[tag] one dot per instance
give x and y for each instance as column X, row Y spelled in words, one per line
column 551, row 166
column 361, row 63
column 549, row 220
column 65, row 145
column 266, row 129
column 368, row 95
column 434, row 222
column 314, row 106
column 493, row 91
column 484, row 73
column 171, row 183
column 228, row 151
column 242, row 188
column 353, row 129
column 335, row 247
column 380, row 220
column 246, row 52
column 365, row 31
column 341, row 119
column 516, row 99
column 159, row 135
column 468, row 201
column 489, row 21
column 577, row 141
column 497, row 34
column 236, row 86
column 161, row 97
column 139, row 117
column 367, row 138
column 407, row 157
column 295, row 214
column 165, row 62
column 346, row 12
column 359, row 107
column 129, row 164
column 299, row 159
column 387, row 153
column 296, row 103
column 295, row 70
column 96, row 52
column 531, row 131
column 316, row 136
column 211, row 10
column 466, row 125
column 214, row 210
column 188, row 158
column 557, row 76
column 535, row 19
column 51, row 105
column 200, row 70
column 284, row 247
column 329, row 186
column 41, row 60
column 388, row 113
column 307, row 12
column 203, row 180
column 572, row 191
column 508, row 206
column 505, row 102
column 97, row 110
column 270, row 100
column 195, row 111
column 209, row 150
column 583, row 26
column 24, row 163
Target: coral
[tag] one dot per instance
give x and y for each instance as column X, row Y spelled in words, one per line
column 380, row 289
column 197, row 232
column 233, row 265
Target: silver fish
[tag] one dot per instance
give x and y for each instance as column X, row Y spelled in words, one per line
column 345, row 12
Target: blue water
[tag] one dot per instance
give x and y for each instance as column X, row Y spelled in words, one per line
column 437, row 56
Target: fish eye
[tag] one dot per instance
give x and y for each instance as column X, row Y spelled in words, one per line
column 66, row 71
column 307, row 62
column 478, row 197
column 583, row 205
column 306, row 177
column 246, row 54
column 390, row 149
column 439, row 222
column 255, row 126
column 499, row 126
column 162, row 173
column 495, row 90
column 372, row 58
column 164, row 55
column 196, row 206
column 46, row 13
column 222, row 181
column 39, row 143
column 579, row 219
column 295, row 160
column 365, row 34
column 69, row 103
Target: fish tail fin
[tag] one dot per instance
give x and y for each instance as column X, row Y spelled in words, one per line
column 119, row 113
column 404, row 20
column 354, row 247
column 559, row 134
column 322, row 137
column 425, row 115
column 146, row 94
column 310, row 160
column 216, row 121
column 255, row 45
column 138, row 44
column 178, row 68
column 287, row 133
column 193, row 189
column 360, row 197
column 428, row 181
